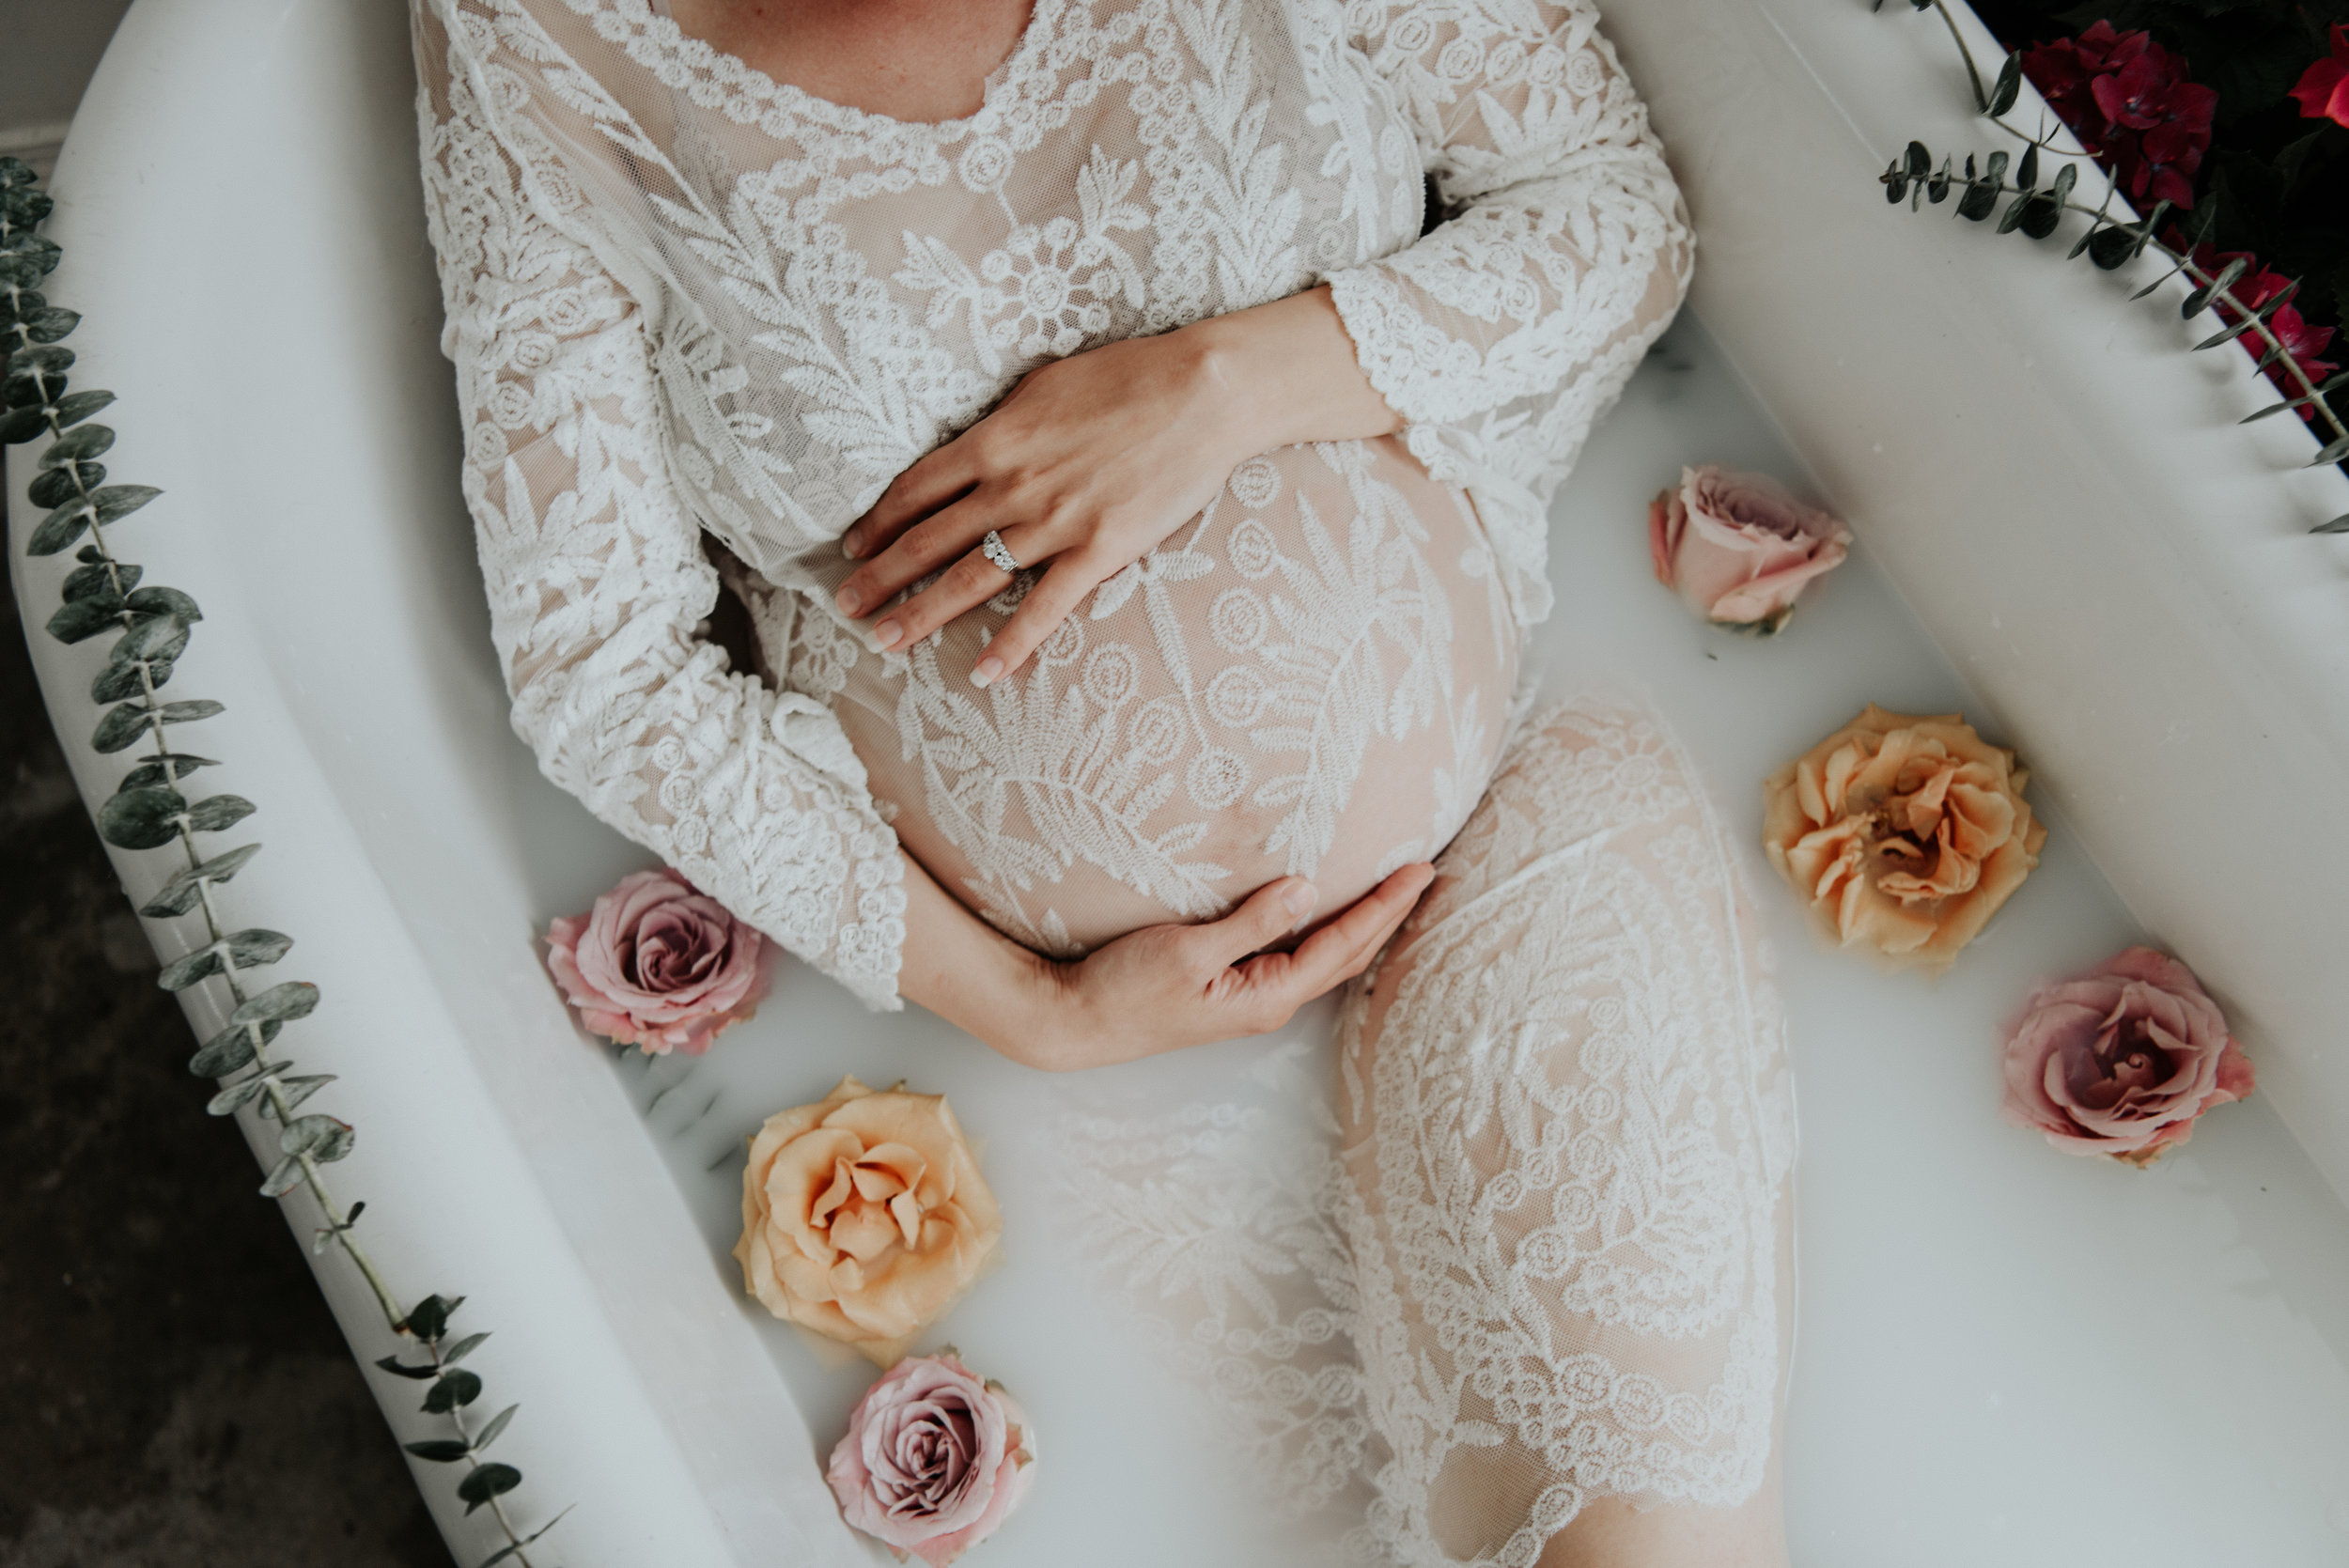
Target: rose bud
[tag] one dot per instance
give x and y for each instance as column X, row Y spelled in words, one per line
column 1738, row 549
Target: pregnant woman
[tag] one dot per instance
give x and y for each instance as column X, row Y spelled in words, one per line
column 1137, row 489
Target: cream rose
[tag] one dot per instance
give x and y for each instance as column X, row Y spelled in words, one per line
column 863, row 1217
column 1903, row 833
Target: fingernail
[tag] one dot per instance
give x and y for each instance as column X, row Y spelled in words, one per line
column 852, row 544
column 1301, row 898
column 987, row 671
column 849, row 601
column 886, row 634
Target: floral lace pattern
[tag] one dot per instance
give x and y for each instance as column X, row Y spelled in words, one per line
column 685, row 297
column 1527, row 1252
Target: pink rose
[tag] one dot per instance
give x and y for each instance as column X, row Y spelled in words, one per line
column 1738, row 548
column 2119, row 1061
column 934, row 1459
column 658, row 965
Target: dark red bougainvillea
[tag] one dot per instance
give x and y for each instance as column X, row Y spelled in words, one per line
column 2130, row 102
column 2324, row 91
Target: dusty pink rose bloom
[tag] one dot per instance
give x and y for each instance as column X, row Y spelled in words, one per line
column 1737, row 548
column 934, row 1459
column 2119, row 1061
column 658, row 965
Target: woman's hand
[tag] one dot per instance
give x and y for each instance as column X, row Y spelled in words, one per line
column 1166, row 986
column 1092, row 460
column 1157, row 989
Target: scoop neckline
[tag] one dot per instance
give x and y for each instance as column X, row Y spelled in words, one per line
column 700, row 52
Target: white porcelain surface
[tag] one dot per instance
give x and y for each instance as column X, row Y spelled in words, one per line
column 2006, row 1355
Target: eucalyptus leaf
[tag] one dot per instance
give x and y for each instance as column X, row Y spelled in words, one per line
column 428, row 1318
column 235, row 1097
column 163, row 601
column 2066, row 179
column 488, row 1434
column 2338, row 525
column 462, row 1348
column 141, row 818
column 50, row 325
column 178, row 895
column 80, row 618
column 1979, row 202
column 2009, row 84
column 1995, row 169
column 2332, row 454
column 283, row 1178
column 398, row 1367
column 2027, row 172
column 1920, row 162
column 2200, row 300
column 114, row 502
column 2041, row 213
column 121, row 726
column 90, row 441
column 2111, row 248
column 295, row 998
column 60, row 528
column 189, row 711
column 324, row 1139
column 489, row 1481
column 54, row 487
column 38, row 359
column 80, row 406
column 454, row 1389
column 19, row 425
column 227, row 1051
column 2012, row 219
column 130, row 679
column 299, row 1089
column 102, row 580
column 247, row 949
column 439, row 1450
column 215, row 813
column 150, row 636
column 160, row 768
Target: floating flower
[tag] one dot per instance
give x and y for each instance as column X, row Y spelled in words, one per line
column 2323, row 89
column 658, row 965
column 1902, row 834
column 2122, row 1060
column 863, row 1216
column 934, row 1461
column 2129, row 102
column 1737, row 548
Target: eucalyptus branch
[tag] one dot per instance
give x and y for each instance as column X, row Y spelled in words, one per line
column 1981, row 99
column 149, row 811
column 2038, row 209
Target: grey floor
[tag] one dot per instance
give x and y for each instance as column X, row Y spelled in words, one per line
column 173, row 1393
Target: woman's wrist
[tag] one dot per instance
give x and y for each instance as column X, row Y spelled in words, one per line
column 974, row 977
column 1284, row 373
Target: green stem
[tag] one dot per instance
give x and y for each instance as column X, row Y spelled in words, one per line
column 1981, row 99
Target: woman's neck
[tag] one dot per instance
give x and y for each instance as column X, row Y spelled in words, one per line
column 913, row 60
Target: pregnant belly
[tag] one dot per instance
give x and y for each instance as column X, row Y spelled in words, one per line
column 1310, row 678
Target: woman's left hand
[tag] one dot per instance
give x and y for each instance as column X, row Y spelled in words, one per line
column 1092, row 460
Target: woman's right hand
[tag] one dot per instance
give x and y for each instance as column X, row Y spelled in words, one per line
column 1166, row 986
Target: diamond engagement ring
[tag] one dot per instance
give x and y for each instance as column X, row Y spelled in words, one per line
column 992, row 547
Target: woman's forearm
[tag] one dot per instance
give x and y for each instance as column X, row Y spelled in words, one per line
column 969, row 973
column 1287, row 372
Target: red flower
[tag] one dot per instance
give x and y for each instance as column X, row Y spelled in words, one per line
column 2129, row 102
column 2254, row 289
column 2324, row 91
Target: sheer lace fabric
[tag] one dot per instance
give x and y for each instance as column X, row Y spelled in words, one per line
column 685, row 297
column 1529, row 1250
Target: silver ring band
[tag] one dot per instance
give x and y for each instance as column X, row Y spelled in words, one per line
column 992, row 547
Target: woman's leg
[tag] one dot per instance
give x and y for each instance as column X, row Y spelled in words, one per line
column 1568, row 1125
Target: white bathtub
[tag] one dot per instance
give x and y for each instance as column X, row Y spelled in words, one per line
column 2006, row 1355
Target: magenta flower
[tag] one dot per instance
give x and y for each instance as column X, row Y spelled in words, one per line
column 2323, row 89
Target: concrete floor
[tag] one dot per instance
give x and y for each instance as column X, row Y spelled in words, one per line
column 173, row 1393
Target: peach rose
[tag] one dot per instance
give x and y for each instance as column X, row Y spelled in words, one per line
column 1738, row 549
column 658, row 964
column 863, row 1217
column 1904, row 834
column 2123, row 1059
column 934, row 1459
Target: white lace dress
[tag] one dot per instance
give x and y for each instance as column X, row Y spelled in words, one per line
column 700, row 319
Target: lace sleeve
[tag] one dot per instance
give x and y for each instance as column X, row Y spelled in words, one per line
column 598, row 586
column 1505, row 332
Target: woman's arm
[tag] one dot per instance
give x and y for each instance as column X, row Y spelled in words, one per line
column 1493, row 341
column 597, row 585
column 1093, row 460
column 1157, row 989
